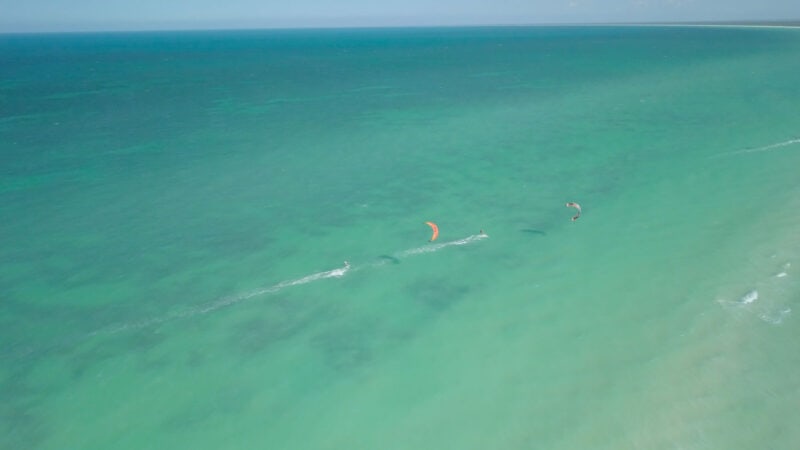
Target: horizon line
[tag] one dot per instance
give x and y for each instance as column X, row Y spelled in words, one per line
column 767, row 23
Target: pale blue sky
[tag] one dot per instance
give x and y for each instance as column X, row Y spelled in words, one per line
column 75, row 15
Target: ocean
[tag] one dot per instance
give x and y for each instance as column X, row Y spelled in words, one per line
column 218, row 239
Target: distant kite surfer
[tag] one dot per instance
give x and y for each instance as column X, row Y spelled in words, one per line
column 576, row 206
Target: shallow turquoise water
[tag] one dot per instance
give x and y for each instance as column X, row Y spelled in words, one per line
column 177, row 209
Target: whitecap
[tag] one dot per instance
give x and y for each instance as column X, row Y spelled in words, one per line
column 775, row 318
column 749, row 297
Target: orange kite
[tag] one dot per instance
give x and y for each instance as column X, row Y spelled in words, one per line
column 435, row 230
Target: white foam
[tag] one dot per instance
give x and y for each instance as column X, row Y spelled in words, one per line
column 770, row 293
column 748, row 298
column 784, row 271
column 777, row 318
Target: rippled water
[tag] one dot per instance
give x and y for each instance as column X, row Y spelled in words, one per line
column 218, row 240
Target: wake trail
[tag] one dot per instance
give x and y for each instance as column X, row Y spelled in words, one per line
column 765, row 148
column 225, row 301
column 436, row 247
column 231, row 300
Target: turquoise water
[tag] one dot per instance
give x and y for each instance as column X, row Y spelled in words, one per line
column 177, row 209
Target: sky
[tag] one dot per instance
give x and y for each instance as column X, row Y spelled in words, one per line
column 117, row 15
